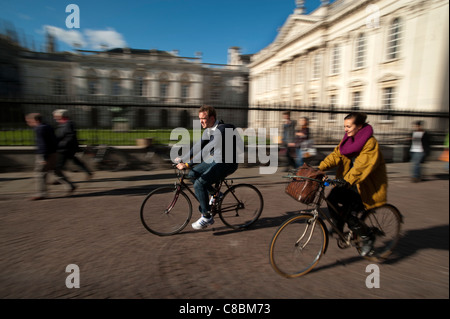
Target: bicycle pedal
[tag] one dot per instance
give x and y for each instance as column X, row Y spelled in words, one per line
column 342, row 244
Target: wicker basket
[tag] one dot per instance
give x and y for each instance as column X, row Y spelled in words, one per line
column 305, row 190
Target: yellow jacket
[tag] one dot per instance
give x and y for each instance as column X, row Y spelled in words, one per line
column 368, row 172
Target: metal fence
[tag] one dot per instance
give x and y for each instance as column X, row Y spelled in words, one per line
column 122, row 121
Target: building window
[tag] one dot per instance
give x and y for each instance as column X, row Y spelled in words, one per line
column 163, row 87
column 360, row 53
column 336, row 59
column 216, row 86
column 356, row 100
column 92, row 86
column 185, row 85
column 316, row 66
column 388, row 100
column 163, row 91
column 300, row 71
column 285, row 75
column 92, row 82
column 115, row 83
column 115, row 87
column 59, row 86
column 333, row 101
column 184, row 92
column 139, row 86
column 393, row 45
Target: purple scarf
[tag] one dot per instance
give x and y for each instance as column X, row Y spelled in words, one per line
column 351, row 146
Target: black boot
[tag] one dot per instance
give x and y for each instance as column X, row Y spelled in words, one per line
column 361, row 230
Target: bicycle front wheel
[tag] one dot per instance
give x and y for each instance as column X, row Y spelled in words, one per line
column 166, row 211
column 297, row 245
column 385, row 224
column 241, row 206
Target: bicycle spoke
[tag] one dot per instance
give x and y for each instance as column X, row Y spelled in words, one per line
column 241, row 206
column 297, row 246
column 165, row 211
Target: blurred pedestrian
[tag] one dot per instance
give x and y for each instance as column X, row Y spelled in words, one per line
column 419, row 150
column 303, row 142
column 45, row 155
column 444, row 155
column 288, row 140
column 68, row 146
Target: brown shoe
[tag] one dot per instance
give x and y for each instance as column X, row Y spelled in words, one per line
column 37, row 198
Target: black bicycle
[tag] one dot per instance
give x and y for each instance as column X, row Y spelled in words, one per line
column 105, row 157
column 167, row 210
column 299, row 243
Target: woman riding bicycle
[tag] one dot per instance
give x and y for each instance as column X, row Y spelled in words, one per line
column 361, row 165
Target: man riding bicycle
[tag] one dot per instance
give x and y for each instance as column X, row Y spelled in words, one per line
column 214, row 165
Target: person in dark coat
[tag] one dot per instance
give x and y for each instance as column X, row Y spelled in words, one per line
column 66, row 136
column 45, row 162
column 420, row 149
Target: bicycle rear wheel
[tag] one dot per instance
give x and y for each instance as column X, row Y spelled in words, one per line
column 241, row 206
column 385, row 223
column 297, row 245
column 113, row 160
column 166, row 211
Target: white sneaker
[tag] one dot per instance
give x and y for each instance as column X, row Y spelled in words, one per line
column 203, row 222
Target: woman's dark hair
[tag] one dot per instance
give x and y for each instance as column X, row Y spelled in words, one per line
column 359, row 118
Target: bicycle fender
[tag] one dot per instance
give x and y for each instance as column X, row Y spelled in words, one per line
column 320, row 220
column 363, row 217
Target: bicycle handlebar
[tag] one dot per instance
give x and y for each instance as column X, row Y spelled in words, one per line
column 325, row 182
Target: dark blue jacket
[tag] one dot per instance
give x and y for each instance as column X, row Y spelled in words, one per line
column 209, row 146
column 45, row 140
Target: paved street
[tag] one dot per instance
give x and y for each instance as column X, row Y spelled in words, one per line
column 98, row 228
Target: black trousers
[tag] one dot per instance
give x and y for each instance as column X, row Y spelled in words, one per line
column 64, row 156
column 348, row 202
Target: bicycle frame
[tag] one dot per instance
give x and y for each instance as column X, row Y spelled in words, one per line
column 318, row 213
column 182, row 185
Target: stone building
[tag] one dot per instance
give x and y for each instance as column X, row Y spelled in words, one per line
column 134, row 88
column 385, row 55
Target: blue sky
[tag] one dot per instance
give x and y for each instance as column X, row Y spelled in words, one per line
column 189, row 26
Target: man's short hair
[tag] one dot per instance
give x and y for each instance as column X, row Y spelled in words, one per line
column 61, row 113
column 211, row 111
column 34, row 116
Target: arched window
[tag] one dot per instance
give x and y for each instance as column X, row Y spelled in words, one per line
column 394, row 37
column 115, row 83
column 59, row 84
column 92, row 82
column 185, row 88
column 360, row 51
column 163, row 87
column 139, row 87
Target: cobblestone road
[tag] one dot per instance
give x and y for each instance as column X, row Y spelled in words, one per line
column 98, row 228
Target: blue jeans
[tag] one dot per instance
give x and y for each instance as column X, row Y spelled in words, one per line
column 417, row 159
column 299, row 160
column 204, row 175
